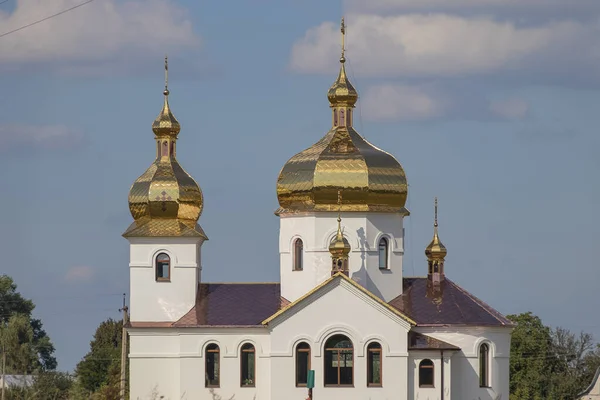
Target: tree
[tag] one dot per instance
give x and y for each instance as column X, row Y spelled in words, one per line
column 99, row 370
column 28, row 347
column 531, row 345
column 549, row 363
column 572, row 369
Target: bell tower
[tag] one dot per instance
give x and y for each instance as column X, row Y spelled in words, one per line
column 165, row 238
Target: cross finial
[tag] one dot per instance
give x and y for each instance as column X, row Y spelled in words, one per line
column 436, row 212
column 339, row 205
column 166, row 92
column 343, row 30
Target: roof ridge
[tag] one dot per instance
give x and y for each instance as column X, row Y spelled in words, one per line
column 489, row 309
column 240, row 283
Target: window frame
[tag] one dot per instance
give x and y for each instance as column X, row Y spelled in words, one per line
column 156, row 264
column 430, row 365
column 374, row 347
column 212, row 348
column 247, row 348
column 484, row 365
column 386, row 255
column 339, row 351
column 298, row 255
column 299, row 350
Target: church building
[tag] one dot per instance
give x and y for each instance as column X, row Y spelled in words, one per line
column 342, row 307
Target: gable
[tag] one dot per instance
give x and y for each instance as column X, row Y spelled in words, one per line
column 343, row 298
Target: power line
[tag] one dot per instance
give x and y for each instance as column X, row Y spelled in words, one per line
column 3, row 1
column 45, row 19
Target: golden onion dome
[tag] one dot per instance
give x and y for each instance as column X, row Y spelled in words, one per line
column 369, row 178
column 436, row 250
column 165, row 200
column 342, row 92
column 339, row 246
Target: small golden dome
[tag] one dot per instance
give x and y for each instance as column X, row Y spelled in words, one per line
column 436, row 250
column 339, row 246
column 166, row 125
column 165, row 200
column 342, row 93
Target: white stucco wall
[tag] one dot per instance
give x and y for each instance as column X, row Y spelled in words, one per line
column 435, row 392
column 465, row 363
column 163, row 301
column 362, row 230
column 341, row 309
column 171, row 363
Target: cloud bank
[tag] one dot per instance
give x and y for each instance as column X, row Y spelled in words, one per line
column 443, row 45
column 32, row 137
column 99, row 31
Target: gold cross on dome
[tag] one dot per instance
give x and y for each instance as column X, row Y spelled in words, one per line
column 343, row 30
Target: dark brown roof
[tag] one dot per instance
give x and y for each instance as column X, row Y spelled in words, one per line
column 249, row 304
column 233, row 304
column 451, row 305
column 418, row 341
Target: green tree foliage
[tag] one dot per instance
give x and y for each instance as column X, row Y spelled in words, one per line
column 99, row 371
column 28, row 347
column 529, row 363
column 549, row 364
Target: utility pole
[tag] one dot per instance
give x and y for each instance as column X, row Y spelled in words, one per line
column 123, row 351
column 3, row 370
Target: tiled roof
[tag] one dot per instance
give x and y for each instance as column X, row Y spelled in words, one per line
column 249, row 304
column 452, row 305
column 418, row 341
column 233, row 304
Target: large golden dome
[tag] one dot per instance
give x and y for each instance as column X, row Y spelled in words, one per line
column 368, row 178
column 165, row 200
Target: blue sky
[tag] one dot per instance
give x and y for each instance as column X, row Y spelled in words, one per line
column 493, row 108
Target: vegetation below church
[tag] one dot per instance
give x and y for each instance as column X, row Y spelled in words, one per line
column 549, row 364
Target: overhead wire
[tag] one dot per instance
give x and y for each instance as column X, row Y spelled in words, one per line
column 46, row 18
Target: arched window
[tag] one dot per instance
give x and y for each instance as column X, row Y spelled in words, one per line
column 342, row 119
column 484, row 365
column 163, row 267
column 339, row 361
column 248, row 366
column 212, row 366
column 165, row 149
column 349, row 117
column 302, row 363
column 426, row 373
column 172, row 149
column 374, row 372
column 298, row 254
column 383, row 253
column 335, row 117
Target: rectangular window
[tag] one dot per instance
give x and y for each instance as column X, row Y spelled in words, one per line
column 302, row 366
column 374, row 367
column 248, row 366
column 212, row 367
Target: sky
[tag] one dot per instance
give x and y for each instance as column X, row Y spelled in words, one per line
column 492, row 106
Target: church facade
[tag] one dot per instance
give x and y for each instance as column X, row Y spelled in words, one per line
column 342, row 307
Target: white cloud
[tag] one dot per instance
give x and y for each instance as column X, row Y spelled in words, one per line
column 419, row 102
column 79, row 274
column 441, row 45
column 96, row 32
column 513, row 108
column 459, row 4
column 38, row 137
column 403, row 103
